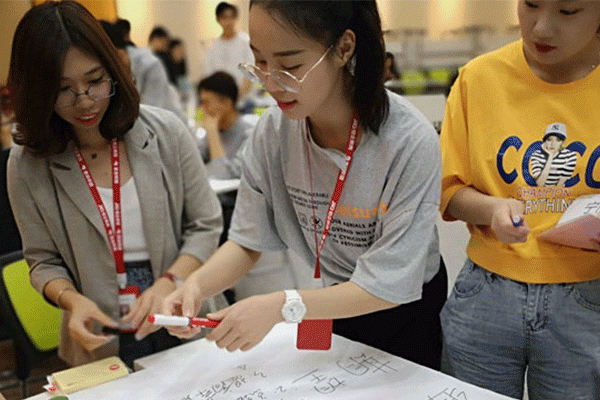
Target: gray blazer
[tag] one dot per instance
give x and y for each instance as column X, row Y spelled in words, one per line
column 63, row 235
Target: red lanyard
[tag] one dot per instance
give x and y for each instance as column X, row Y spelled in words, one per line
column 115, row 235
column 337, row 192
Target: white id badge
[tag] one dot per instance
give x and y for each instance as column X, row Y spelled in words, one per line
column 126, row 300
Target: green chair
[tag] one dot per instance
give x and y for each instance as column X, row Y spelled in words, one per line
column 441, row 76
column 413, row 82
column 32, row 323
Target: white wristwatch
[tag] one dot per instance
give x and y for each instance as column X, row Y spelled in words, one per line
column 293, row 309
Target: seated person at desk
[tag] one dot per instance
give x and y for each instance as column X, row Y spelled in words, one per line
column 81, row 134
column 226, row 130
column 390, row 71
column 383, row 282
column 10, row 239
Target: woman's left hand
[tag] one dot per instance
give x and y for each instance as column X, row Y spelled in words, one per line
column 149, row 302
column 245, row 323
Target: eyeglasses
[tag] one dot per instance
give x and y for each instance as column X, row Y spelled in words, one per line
column 283, row 79
column 96, row 91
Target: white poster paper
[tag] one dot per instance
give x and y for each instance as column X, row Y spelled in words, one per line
column 276, row 370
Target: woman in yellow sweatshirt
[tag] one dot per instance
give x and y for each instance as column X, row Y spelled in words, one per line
column 520, row 303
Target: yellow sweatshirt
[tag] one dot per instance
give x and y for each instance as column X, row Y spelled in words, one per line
column 497, row 117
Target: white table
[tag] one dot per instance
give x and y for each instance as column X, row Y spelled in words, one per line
column 275, row 369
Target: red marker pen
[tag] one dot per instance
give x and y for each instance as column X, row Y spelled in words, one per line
column 173, row 320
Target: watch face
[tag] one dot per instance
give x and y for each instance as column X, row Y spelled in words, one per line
column 294, row 311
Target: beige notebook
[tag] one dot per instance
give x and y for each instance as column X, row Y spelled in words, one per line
column 579, row 226
column 88, row 375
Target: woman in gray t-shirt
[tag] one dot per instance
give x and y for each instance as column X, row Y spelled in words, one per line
column 383, row 285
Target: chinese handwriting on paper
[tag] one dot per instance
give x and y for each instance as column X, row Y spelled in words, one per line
column 592, row 208
column 449, row 394
column 255, row 395
column 359, row 365
column 249, row 383
column 323, row 384
column 362, row 364
column 220, row 388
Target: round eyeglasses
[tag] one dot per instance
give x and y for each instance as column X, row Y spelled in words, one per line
column 96, row 91
column 283, row 79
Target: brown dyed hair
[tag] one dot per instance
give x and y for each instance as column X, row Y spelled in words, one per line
column 40, row 44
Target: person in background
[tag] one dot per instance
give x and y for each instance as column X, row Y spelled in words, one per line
column 226, row 130
column 111, row 198
column 230, row 49
column 10, row 238
column 123, row 26
column 523, row 307
column 226, row 133
column 178, row 71
column 151, row 78
column 391, row 72
column 158, row 43
column 383, row 283
column 158, row 40
column 117, row 38
column 7, row 116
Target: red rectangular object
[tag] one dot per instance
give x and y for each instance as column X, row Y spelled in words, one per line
column 314, row 334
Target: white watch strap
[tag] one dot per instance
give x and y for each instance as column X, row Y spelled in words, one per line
column 293, row 310
column 292, row 295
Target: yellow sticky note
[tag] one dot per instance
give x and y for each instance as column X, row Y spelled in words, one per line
column 88, row 375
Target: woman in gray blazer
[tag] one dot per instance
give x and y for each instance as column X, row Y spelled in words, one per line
column 112, row 199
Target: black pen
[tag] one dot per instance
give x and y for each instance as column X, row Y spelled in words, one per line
column 108, row 330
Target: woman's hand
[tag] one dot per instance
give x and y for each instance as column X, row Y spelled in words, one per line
column 246, row 323
column 185, row 301
column 149, row 302
column 84, row 314
column 502, row 225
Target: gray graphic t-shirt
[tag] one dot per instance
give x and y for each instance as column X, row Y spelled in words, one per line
column 383, row 236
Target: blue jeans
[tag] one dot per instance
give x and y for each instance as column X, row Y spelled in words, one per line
column 496, row 329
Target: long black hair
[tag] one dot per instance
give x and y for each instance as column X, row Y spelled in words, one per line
column 325, row 22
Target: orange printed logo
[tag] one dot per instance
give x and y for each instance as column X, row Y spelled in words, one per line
column 348, row 211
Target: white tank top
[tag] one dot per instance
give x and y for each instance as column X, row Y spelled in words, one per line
column 134, row 240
